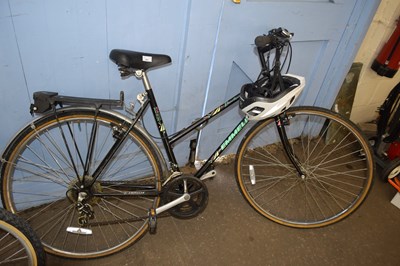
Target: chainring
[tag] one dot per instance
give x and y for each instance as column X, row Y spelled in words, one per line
column 198, row 196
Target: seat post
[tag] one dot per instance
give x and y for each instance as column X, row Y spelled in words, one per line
column 143, row 75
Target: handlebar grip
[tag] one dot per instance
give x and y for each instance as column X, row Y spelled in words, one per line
column 263, row 40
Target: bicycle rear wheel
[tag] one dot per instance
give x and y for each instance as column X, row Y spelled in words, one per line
column 19, row 244
column 334, row 156
column 44, row 165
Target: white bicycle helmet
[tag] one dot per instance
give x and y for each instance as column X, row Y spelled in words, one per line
column 257, row 106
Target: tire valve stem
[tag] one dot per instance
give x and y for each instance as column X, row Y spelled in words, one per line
column 252, row 175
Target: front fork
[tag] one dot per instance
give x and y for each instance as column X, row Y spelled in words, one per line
column 280, row 121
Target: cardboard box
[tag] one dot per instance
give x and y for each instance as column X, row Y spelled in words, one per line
column 396, row 200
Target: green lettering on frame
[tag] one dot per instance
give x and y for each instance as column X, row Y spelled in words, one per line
column 234, row 133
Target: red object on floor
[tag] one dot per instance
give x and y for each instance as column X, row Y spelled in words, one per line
column 395, row 182
column 394, row 150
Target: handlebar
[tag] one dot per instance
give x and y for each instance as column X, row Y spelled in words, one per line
column 270, row 76
column 275, row 37
column 263, row 40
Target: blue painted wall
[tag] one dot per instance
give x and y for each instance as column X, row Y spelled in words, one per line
column 63, row 45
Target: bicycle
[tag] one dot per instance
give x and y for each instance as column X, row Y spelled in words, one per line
column 98, row 181
column 19, row 244
column 387, row 136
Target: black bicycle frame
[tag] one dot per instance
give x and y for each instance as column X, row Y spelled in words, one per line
column 168, row 141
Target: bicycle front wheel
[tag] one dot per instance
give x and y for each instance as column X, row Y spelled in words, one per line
column 335, row 158
column 49, row 162
column 19, row 244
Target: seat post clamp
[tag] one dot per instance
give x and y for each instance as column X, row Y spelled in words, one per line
column 139, row 73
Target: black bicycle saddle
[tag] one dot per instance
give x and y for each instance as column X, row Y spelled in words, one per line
column 138, row 60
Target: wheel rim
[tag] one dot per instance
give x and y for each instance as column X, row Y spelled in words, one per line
column 15, row 247
column 40, row 164
column 338, row 173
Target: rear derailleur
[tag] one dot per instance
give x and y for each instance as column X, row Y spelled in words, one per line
column 85, row 210
column 85, row 213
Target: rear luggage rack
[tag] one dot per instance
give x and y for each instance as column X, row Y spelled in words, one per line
column 47, row 100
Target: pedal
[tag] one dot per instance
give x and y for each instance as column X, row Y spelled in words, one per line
column 152, row 221
column 208, row 175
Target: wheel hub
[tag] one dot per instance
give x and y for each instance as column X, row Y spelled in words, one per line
column 75, row 187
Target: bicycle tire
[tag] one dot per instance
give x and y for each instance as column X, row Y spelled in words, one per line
column 19, row 245
column 38, row 157
column 391, row 169
column 334, row 155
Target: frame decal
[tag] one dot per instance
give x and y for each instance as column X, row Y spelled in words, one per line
column 234, row 133
column 160, row 124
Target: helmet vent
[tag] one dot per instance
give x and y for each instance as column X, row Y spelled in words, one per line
column 256, row 111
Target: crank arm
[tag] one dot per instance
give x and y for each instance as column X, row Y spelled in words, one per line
column 169, row 205
column 209, row 174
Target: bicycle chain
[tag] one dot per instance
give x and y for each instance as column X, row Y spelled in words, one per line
column 136, row 219
column 116, row 182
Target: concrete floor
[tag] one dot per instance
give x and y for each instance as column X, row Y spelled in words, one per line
column 230, row 232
